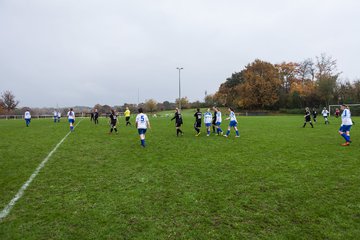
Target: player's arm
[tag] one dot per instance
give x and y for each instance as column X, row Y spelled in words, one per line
column 148, row 124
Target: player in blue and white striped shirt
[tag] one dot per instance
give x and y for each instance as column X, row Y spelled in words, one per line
column 208, row 121
column 233, row 123
column 346, row 124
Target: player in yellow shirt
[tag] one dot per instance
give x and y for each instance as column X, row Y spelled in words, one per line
column 127, row 116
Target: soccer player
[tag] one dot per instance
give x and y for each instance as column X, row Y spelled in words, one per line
column 58, row 116
column 314, row 114
column 127, row 116
column 178, row 122
column 218, row 122
column 325, row 114
column 71, row 119
column 142, row 123
column 197, row 124
column 208, row 120
column 214, row 120
column 91, row 116
column 346, row 124
column 113, row 120
column 27, row 117
column 96, row 116
column 233, row 123
column 307, row 117
column 55, row 116
column 337, row 112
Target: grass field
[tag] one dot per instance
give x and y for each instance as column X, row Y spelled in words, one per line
column 277, row 181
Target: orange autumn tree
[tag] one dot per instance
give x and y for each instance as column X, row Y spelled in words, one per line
column 261, row 86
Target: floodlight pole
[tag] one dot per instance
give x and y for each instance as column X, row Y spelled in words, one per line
column 179, row 68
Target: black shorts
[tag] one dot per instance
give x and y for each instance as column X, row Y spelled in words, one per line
column 197, row 124
column 113, row 124
column 127, row 119
column 178, row 124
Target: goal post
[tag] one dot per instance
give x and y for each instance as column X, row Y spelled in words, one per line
column 331, row 107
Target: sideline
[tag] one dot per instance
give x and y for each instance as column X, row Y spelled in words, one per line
column 20, row 193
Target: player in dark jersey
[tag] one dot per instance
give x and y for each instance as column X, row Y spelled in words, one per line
column 96, row 116
column 314, row 114
column 214, row 120
column 307, row 117
column 197, row 124
column 178, row 122
column 113, row 120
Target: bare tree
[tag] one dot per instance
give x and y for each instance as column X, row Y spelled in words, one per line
column 306, row 70
column 8, row 101
column 327, row 77
column 326, row 66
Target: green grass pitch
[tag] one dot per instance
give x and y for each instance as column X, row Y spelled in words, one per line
column 277, row 181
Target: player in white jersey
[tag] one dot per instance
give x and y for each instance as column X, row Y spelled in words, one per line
column 71, row 118
column 218, row 122
column 58, row 116
column 55, row 116
column 27, row 117
column 208, row 121
column 346, row 124
column 325, row 114
column 233, row 123
column 142, row 123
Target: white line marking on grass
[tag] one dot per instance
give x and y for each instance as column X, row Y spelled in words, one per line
column 21, row 191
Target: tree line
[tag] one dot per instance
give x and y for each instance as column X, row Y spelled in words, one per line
column 266, row 86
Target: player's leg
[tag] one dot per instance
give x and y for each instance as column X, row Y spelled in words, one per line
column 304, row 124
column 236, row 131
column 178, row 129
column 342, row 132
column 71, row 124
column 219, row 130
column 348, row 136
column 198, row 126
column 142, row 136
column 228, row 131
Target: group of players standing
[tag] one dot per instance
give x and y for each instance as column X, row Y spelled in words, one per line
column 210, row 119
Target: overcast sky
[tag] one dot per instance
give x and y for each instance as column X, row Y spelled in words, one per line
column 83, row 52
